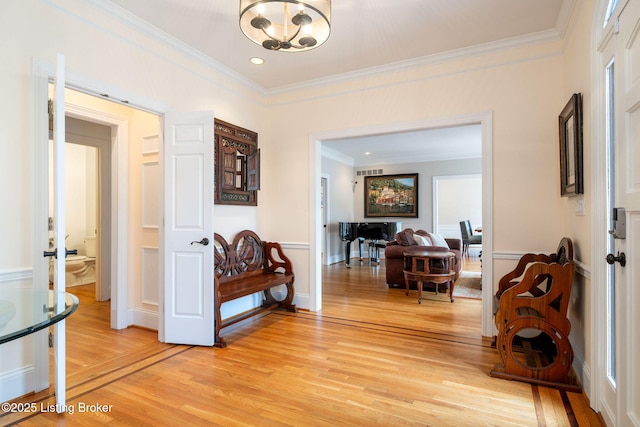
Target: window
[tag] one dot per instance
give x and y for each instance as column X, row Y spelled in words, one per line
column 610, row 9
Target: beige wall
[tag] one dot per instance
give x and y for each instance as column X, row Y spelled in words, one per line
column 518, row 86
column 524, row 88
column 577, row 76
column 100, row 52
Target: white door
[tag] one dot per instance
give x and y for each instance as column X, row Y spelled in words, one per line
column 188, row 229
column 627, row 195
column 621, row 376
column 59, row 218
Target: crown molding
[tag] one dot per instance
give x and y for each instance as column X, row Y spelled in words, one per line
column 119, row 14
column 430, row 60
column 337, row 156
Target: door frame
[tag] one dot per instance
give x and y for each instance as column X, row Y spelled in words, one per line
column 485, row 119
column 43, row 73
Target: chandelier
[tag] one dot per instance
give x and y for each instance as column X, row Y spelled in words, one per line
column 286, row 25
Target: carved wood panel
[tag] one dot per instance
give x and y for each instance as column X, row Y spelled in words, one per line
column 237, row 176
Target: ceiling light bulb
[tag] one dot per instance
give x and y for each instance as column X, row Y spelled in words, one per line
column 256, row 60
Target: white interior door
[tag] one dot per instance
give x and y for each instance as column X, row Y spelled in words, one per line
column 621, row 342
column 627, row 195
column 188, row 205
column 59, row 218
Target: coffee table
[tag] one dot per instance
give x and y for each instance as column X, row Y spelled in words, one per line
column 429, row 266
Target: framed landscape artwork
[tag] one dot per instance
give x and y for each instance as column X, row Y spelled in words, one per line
column 391, row 196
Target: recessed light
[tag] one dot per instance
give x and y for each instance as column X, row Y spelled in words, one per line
column 257, row 61
column 366, row 153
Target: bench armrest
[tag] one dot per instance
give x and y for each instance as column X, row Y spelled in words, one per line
column 277, row 261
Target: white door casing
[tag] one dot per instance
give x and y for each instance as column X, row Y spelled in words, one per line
column 187, row 316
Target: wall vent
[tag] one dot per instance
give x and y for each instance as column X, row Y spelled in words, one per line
column 370, row 172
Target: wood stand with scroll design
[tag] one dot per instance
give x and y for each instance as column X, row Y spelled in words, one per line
column 533, row 328
column 247, row 266
column 429, row 266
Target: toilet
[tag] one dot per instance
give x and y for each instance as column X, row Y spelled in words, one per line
column 90, row 246
column 80, row 269
column 74, row 263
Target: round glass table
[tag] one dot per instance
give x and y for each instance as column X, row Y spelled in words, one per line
column 24, row 311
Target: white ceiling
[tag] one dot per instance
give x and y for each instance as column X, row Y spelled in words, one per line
column 366, row 35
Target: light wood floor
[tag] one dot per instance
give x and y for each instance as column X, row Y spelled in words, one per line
column 373, row 356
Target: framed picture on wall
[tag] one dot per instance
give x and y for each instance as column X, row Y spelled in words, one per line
column 391, row 196
column 570, row 123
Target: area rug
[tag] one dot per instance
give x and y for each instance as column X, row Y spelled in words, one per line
column 468, row 285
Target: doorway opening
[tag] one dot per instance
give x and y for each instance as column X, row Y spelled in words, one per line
column 125, row 141
column 88, row 191
column 316, row 144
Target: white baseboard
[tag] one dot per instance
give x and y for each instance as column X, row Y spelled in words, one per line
column 143, row 318
column 17, row 383
column 300, row 301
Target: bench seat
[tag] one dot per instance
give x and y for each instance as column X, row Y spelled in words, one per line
column 248, row 266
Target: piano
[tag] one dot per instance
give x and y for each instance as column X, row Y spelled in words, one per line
column 361, row 231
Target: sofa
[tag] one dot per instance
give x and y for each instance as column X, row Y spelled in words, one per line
column 406, row 241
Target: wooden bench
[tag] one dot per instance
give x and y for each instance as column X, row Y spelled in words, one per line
column 247, row 266
column 531, row 317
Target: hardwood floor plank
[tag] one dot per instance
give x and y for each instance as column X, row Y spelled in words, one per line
column 372, row 356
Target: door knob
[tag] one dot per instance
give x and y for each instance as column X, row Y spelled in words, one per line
column 621, row 258
column 203, row 242
column 70, row 252
column 54, row 253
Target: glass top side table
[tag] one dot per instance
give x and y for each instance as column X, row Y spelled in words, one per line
column 24, row 311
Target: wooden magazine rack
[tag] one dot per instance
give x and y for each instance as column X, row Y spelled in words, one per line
column 531, row 317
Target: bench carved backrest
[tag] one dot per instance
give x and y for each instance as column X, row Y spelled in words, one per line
column 244, row 255
column 562, row 255
column 553, row 281
column 541, row 283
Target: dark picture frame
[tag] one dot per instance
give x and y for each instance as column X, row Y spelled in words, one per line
column 391, row 196
column 570, row 123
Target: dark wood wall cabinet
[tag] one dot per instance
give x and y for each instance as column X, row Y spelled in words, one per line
column 237, row 157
